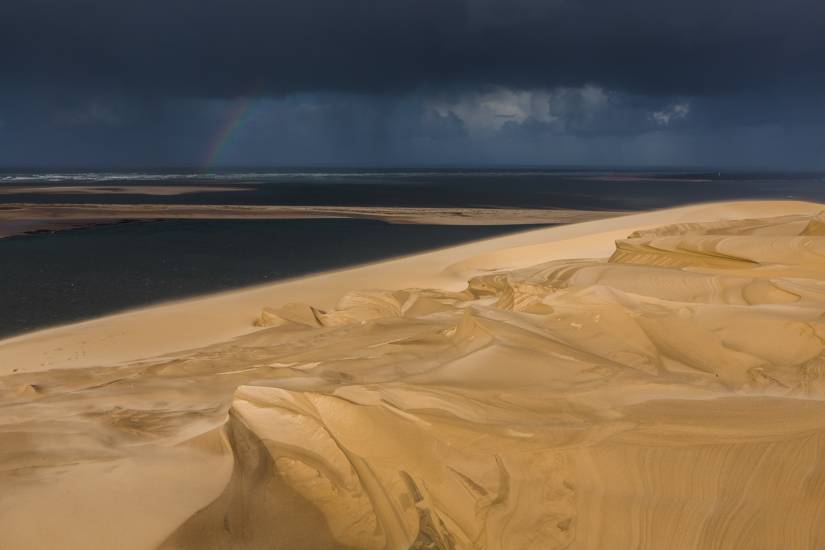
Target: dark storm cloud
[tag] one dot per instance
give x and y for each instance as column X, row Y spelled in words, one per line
column 229, row 47
column 154, row 83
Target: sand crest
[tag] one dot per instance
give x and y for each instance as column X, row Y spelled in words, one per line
column 653, row 381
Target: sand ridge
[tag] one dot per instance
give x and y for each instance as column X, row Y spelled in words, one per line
column 654, row 381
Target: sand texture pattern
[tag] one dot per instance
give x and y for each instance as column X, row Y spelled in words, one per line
column 668, row 395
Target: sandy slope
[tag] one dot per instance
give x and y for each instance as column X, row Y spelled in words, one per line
column 652, row 381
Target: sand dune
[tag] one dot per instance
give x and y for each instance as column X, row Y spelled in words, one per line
column 652, row 381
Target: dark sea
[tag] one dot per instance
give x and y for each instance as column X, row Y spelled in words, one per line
column 59, row 277
column 522, row 187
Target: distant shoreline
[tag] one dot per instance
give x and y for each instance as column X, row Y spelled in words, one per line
column 24, row 218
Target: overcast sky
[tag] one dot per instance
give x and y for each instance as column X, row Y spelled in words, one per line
column 212, row 83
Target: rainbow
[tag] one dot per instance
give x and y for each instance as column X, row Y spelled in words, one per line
column 237, row 115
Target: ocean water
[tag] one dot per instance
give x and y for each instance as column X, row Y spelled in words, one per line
column 525, row 187
column 54, row 278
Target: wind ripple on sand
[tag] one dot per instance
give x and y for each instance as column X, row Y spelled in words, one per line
column 670, row 396
column 667, row 397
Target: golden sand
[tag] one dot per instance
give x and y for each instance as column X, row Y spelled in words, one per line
column 653, row 381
